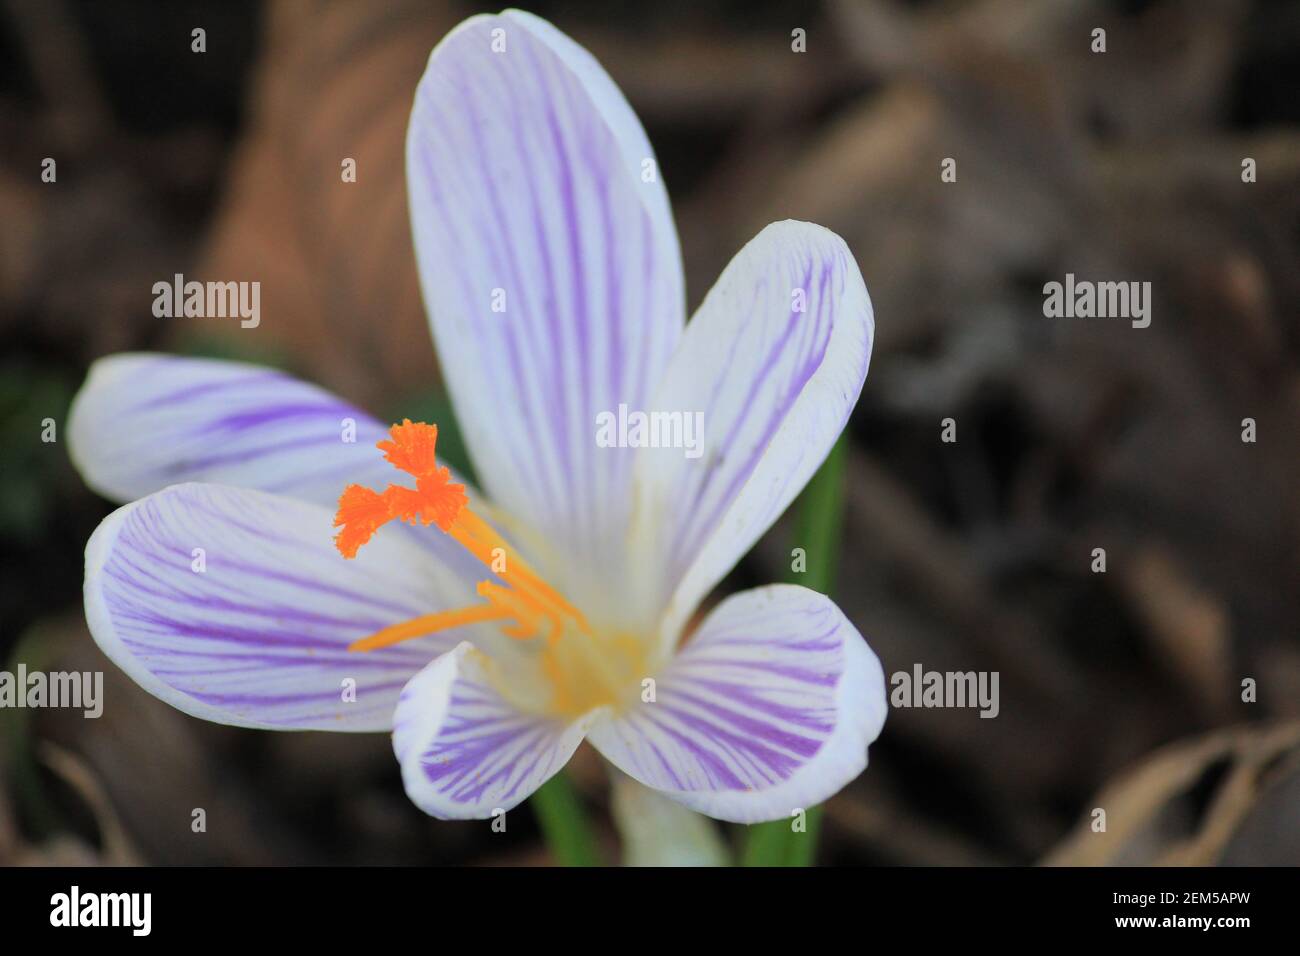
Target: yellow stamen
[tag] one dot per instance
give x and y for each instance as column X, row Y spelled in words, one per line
column 429, row 624
column 514, row 605
column 480, row 540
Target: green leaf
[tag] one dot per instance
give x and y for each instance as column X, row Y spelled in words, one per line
column 819, row 524
column 31, row 473
column 564, row 823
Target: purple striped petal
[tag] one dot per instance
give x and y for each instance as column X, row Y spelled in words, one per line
column 774, row 362
column 256, row 634
column 769, row 708
column 525, row 173
column 466, row 752
column 145, row 421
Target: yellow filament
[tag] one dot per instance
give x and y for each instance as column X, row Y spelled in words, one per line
column 429, row 624
column 480, row 539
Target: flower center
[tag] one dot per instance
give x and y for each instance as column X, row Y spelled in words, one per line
column 581, row 674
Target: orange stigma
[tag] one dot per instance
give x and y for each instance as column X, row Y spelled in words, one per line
column 526, row 599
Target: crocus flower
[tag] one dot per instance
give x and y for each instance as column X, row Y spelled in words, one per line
column 260, row 576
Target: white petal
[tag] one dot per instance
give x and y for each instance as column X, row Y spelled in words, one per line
column 254, row 629
column 466, row 752
column 773, row 363
column 525, row 172
column 145, row 421
column 767, row 710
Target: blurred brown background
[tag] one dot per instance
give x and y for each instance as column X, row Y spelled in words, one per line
column 1119, row 690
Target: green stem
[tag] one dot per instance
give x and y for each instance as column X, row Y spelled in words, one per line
column 820, row 521
column 819, row 526
column 564, row 824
